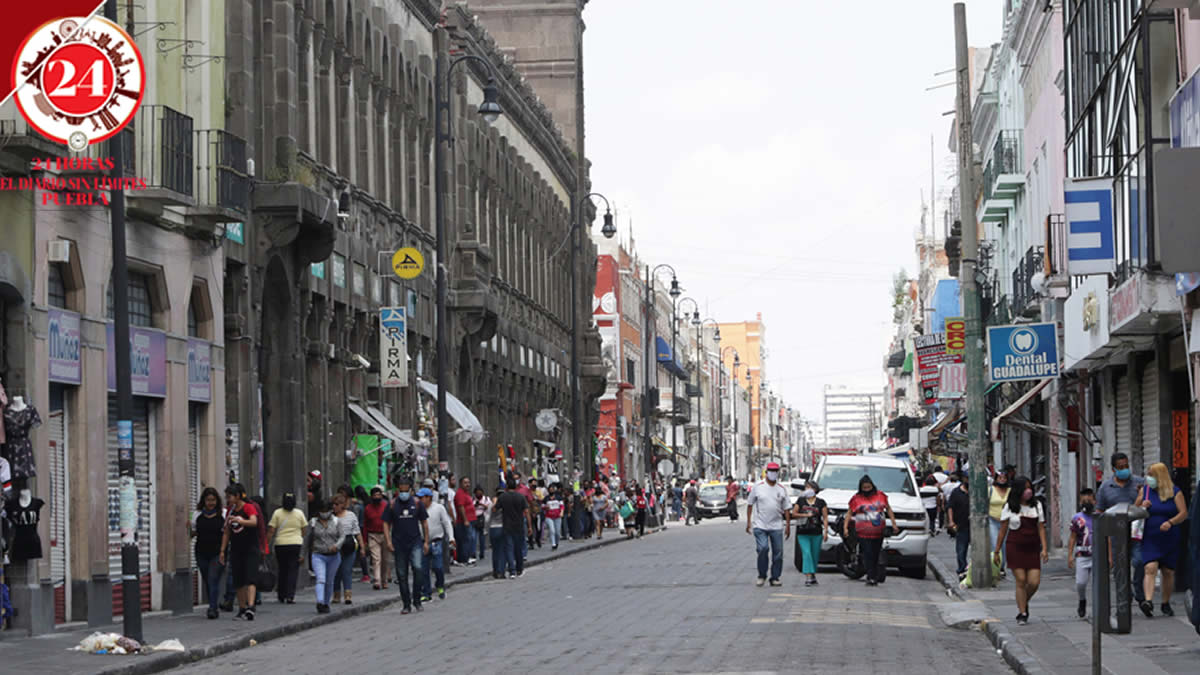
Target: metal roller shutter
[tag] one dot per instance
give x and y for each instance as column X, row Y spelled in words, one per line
column 1124, row 435
column 142, row 472
column 193, row 477
column 1151, row 452
column 56, row 429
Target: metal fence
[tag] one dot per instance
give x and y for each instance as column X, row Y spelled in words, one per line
column 165, row 153
column 1023, row 292
column 222, row 178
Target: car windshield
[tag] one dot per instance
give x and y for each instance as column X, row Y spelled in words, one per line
column 713, row 493
column 886, row 478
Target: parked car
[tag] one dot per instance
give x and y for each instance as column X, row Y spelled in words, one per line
column 838, row 476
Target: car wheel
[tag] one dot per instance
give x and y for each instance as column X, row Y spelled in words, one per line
column 916, row 571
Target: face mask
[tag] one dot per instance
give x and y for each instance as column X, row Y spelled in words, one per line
column 403, row 496
column 809, row 494
column 1151, row 482
column 376, row 499
column 324, row 515
column 866, row 488
column 1123, row 474
column 1087, row 507
column 1027, row 495
column 772, row 476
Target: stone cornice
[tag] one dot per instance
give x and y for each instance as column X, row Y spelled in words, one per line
column 427, row 11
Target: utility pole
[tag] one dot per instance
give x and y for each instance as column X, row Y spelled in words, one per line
column 131, row 600
column 981, row 565
column 648, row 333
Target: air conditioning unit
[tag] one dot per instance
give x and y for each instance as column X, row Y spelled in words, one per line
column 59, row 251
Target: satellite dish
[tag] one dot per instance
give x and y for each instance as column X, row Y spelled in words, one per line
column 546, row 420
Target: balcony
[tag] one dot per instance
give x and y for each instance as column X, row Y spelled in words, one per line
column 164, row 156
column 1024, row 295
column 19, row 143
column 1008, row 172
column 221, row 178
column 1059, row 279
column 682, row 412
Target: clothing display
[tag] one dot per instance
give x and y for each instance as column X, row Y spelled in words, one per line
column 18, row 449
column 26, row 544
column 3, row 404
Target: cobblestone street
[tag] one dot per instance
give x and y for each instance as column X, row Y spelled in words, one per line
column 683, row 600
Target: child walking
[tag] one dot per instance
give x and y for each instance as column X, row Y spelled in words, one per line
column 1079, row 547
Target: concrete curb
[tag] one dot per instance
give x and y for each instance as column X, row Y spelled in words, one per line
column 156, row 663
column 1015, row 653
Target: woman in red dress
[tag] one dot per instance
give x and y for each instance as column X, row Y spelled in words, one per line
column 1023, row 535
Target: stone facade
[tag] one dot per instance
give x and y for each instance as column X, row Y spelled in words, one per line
column 337, row 101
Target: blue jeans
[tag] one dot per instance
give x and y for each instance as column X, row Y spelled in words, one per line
column 993, row 532
column 524, row 547
column 1139, row 570
column 962, row 542
column 433, row 562
column 325, row 566
column 761, row 540
column 553, row 525
column 480, row 537
column 499, row 550
column 345, row 572
column 210, row 578
column 409, row 556
column 513, row 544
column 469, row 551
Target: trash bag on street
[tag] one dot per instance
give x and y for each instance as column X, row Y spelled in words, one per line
column 171, row 645
column 108, row 643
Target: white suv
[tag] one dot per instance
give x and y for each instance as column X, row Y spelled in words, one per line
column 838, row 476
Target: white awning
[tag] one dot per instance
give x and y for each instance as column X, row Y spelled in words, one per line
column 547, row 444
column 1017, row 405
column 471, row 430
column 392, row 432
column 371, row 422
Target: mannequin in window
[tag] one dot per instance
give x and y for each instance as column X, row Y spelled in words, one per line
column 19, row 420
column 25, row 511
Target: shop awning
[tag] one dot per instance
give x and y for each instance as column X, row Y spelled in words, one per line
column 393, row 432
column 667, row 359
column 896, row 359
column 945, row 420
column 908, row 363
column 1017, row 405
column 371, row 422
column 470, row 429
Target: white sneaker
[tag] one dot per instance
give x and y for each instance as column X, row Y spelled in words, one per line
column 760, row 581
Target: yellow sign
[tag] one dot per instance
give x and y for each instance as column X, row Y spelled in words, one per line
column 407, row 263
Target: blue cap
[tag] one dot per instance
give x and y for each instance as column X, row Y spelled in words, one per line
column 424, row 492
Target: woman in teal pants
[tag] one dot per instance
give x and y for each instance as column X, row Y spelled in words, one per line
column 812, row 527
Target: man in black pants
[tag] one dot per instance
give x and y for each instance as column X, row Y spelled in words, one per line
column 959, row 506
column 731, row 495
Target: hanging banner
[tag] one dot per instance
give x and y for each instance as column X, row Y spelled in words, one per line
column 63, row 343
column 1091, row 247
column 393, row 352
column 931, row 353
column 956, row 335
column 952, row 381
column 199, row 370
column 147, row 361
column 1022, row 352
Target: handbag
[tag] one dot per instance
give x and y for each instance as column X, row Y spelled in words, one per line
column 266, row 574
column 626, row 510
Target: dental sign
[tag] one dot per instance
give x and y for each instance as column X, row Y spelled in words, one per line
column 1091, row 247
column 1022, row 352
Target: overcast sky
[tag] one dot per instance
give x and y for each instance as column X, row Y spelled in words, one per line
column 775, row 156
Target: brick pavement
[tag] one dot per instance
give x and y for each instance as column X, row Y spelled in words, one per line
column 679, row 601
column 1058, row 641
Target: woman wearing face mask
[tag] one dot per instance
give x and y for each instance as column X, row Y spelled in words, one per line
column 286, row 530
column 996, row 498
column 324, row 543
column 1023, row 531
column 1160, row 543
column 206, row 527
column 812, row 518
column 867, row 509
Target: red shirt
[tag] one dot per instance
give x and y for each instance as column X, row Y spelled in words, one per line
column 731, row 492
column 464, row 503
column 641, row 502
column 869, row 513
column 373, row 517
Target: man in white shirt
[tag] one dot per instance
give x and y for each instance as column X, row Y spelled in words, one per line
column 441, row 527
column 766, row 513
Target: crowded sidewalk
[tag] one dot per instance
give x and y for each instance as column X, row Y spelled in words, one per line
column 205, row 639
column 1056, row 640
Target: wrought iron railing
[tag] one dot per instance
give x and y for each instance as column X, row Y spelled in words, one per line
column 1056, row 244
column 222, row 178
column 165, row 153
column 1006, row 153
column 1023, row 292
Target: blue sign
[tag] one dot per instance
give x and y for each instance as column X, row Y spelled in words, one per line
column 125, row 439
column 1023, row 352
column 235, row 232
column 1089, row 212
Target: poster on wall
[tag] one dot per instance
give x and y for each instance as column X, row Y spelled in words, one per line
column 931, row 353
column 63, row 343
column 147, row 361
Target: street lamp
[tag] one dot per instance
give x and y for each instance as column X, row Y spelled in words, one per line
column 695, row 319
column 576, row 404
column 490, row 110
column 729, row 461
column 701, row 358
column 749, row 422
column 650, row 332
